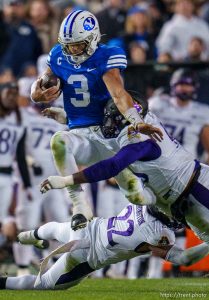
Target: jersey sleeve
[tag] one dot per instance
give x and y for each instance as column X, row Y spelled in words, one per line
column 158, row 234
column 115, row 58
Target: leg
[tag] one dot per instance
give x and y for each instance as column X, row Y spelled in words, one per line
column 27, row 217
column 55, row 206
column 61, row 232
column 66, row 147
column 197, row 206
column 68, row 271
column 6, row 189
column 132, row 187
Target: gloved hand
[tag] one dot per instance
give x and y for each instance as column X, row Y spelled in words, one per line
column 56, row 113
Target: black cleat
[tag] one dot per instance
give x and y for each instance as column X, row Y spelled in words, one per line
column 78, row 221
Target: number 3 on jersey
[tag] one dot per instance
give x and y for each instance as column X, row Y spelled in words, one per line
column 82, row 90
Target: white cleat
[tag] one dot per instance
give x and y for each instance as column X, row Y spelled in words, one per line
column 28, row 238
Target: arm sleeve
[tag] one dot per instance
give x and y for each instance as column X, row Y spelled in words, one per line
column 21, row 162
column 144, row 151
column 189, row 256
column 115, row 58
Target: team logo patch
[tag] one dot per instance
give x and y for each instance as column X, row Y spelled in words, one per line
column 89, row 24
column 77, row 66
column 163, row 241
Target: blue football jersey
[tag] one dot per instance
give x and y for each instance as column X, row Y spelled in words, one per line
column 84, row 91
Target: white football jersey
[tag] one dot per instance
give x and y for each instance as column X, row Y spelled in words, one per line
column 118, row 238
column 168, row 175
column 10, row 134
column 183, row 123
column 39, row 132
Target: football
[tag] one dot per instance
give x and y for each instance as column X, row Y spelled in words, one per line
column 49, row 80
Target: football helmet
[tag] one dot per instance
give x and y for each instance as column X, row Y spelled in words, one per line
column 79, row 28
column 184, row 76
column 114, row 121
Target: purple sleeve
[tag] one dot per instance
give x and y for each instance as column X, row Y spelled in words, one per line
column 143, row 151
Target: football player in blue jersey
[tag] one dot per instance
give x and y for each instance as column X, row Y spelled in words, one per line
column 90, row 74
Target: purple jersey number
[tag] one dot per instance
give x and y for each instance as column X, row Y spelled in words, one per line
column 111, row 225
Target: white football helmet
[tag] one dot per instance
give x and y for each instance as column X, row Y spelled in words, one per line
column 79, row 26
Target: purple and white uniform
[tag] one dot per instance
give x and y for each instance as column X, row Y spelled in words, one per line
column 183, row 123
column 166, row 168
column 108, row 241
column 10, row 134
column 118, row 238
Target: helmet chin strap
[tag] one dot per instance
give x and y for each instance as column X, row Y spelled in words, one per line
column 73, row 61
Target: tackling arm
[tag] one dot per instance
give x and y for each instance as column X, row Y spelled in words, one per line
column 124, row 103
column 179, row 256
column 144, row 151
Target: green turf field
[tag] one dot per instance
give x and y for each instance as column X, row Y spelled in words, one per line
column 108, row 289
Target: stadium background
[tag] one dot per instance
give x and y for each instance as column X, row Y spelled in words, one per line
column 134, row 25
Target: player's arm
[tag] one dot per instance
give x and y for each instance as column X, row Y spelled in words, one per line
column 178, row 256
column 124, row 103
column 105, row 169
column 204, row 137
column 44, row 96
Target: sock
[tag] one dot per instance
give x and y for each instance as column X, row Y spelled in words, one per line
column 35, row 233
column 21, row 283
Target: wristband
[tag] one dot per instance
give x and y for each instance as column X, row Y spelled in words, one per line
column 133, row 116
column 68, row 180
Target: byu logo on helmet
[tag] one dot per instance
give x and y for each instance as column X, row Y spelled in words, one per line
column 89, row 23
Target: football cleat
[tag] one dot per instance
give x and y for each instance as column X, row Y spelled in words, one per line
column 78, row 221
column 28, row 238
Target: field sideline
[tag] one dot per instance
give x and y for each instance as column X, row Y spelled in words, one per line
column 107, row 289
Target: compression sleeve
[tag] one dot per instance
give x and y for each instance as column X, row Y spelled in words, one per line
column 189, row 256
column 21, row 161
column 143, row 151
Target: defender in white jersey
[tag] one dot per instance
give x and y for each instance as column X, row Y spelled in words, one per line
column 132, row 233
column 179, row 182
column 184, row 119
column 54, row 207
column 11, row 144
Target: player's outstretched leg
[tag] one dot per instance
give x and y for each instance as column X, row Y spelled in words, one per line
column 61, row 145
column 31, row 238
column 60, row 232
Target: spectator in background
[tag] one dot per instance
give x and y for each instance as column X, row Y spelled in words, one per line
column 196, row 50
column 111, row 20
column 24, row 45
column 204, row 12
column 138, row 52
column 6, row 75
column 158, row 15
column 176, row 34
column 41, row 15
column 137, row 29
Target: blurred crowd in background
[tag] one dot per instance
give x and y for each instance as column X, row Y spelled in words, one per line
column 158, row 37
